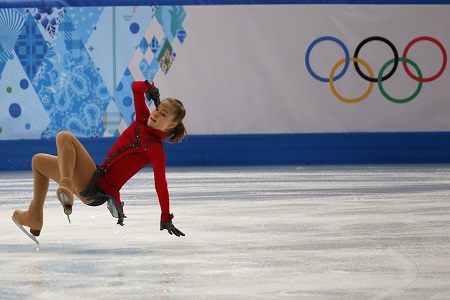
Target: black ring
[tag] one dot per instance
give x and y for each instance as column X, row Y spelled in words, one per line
column 394, row 67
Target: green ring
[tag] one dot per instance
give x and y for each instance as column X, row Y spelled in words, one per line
column 380, row 84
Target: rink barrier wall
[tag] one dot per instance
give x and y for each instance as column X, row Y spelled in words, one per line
column 265, row 149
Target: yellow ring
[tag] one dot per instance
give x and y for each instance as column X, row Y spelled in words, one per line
column 333, row 89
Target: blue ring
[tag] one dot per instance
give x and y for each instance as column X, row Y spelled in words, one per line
column 308, row 52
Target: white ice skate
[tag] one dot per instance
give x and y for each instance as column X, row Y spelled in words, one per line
column 24, row 230
column 67, row 207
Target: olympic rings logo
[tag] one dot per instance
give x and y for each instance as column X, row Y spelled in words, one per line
column 380, row 77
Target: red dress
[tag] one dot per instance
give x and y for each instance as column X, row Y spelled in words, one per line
column 138, row 146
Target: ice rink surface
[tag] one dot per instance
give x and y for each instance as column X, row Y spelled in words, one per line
column 308, row 232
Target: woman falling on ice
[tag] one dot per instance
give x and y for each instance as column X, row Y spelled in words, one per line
column 75, row 171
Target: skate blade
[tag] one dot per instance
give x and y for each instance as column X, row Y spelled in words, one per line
column 26, row 232
column 67, row 207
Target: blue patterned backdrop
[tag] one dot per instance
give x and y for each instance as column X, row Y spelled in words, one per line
column 71, row 68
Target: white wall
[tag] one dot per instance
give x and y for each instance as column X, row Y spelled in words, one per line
column 242, row 69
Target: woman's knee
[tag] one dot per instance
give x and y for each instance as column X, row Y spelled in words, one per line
column 37, row 160
column 63, row 136
column 44, row 163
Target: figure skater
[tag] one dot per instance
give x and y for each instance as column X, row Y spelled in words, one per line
column 75, row 171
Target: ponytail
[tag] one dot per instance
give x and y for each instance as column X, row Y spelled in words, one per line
column 177, row 134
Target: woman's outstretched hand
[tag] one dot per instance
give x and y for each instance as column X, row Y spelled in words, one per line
column 153, row 94
column 171, row 228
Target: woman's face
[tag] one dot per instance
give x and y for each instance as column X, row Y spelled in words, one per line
column 161, row 118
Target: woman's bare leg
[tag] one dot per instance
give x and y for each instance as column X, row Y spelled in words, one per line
column 72, row 163
column 34, row 216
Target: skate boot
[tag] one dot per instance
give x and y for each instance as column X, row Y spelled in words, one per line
column 65, row 195
column 33, row 218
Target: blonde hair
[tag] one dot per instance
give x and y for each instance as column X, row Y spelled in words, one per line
column 177, row 134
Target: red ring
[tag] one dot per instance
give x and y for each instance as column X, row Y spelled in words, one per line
column 444, row 59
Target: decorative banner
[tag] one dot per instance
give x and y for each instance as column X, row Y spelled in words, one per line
column 267, row 69
column 72, row 68
column 239, row 69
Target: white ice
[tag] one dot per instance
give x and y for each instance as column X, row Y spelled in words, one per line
column 309, row 232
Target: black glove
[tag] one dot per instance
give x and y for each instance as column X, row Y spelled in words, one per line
column 153, row 94
column 170, row 228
